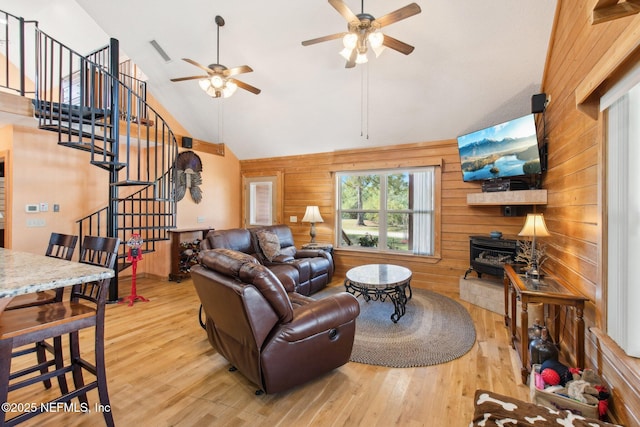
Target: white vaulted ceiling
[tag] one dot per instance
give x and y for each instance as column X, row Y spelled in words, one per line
column 475, row 63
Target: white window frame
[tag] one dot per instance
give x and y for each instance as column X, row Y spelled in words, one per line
column 426, row 247
column 621, row 105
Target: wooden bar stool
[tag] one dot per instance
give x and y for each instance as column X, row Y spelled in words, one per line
column 84, row 309
column 60, row 246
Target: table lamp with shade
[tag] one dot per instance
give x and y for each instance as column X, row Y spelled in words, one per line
column 312, row 215
column 534, row 226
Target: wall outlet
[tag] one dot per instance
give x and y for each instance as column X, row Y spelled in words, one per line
column 293, row 219
column 200, row 219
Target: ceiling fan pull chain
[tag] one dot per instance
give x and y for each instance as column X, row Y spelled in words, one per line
column 361, row 102
column 364, row 101
column 366, row 66
column 220, row 121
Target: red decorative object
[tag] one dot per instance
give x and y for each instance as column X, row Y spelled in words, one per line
column 550, row 377
column 133, row 256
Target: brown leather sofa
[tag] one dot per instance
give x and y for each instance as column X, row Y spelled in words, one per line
column 277, row 340
column 303, row 271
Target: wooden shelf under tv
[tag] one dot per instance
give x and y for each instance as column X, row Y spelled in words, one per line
column 520, row 197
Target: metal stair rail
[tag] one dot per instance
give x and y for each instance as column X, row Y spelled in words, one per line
column 83, row 99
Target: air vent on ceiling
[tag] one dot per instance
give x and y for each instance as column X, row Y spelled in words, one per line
column 160, row 51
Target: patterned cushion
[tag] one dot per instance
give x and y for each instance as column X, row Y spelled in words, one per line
column 269, row 243
column 492, row 409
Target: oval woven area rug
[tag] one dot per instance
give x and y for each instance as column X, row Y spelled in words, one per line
column 435, row 329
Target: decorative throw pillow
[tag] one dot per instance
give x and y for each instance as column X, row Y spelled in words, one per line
column 269, row 243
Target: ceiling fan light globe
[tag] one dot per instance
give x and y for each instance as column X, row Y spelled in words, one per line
column 378, row 50
column 346, row 53
column 375, row 39
column 212, row 92
column 350, row 40
column 204, row 84
column 217, row 82
column 229, row 89
column 362, row 58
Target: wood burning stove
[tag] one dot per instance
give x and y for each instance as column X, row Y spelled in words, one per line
column 488, row 255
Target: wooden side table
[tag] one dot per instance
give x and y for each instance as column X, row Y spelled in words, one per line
column 327, row 247
column 177, row 237
column 547, row 290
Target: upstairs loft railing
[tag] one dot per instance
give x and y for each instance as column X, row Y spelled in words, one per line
column 16, row 34
column 88, row 104
column 12, row 49
column 126, row 71
column 81, row 100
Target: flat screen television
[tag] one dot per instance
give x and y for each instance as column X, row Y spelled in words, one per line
column 504, row 150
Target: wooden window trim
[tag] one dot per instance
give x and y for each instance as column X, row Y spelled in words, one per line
column 618, row 59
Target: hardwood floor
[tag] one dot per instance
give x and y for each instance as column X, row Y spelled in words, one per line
column 163, row 372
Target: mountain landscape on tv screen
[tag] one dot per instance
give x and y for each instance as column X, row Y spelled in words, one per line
column 490, row 159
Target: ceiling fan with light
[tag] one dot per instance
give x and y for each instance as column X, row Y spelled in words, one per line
column 364, row 32
column 219, row 81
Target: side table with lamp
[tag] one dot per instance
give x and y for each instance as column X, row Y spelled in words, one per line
column 530, row 285
column 312, row 215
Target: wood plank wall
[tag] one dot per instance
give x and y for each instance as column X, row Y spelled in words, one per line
column 309, row 180
column 574, row 182
column 575, row 185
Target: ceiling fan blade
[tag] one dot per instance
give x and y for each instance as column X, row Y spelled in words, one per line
column 323, row 39
column 180, row 79
column 246, row 86
column 396, row 44
column 343, row 10
column 237, row 70
column 192, row 62
column 398, row 15
column 351, row 62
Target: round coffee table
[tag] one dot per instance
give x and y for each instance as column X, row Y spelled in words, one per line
column 381, row 281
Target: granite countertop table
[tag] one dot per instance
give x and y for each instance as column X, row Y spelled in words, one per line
column 23, row 273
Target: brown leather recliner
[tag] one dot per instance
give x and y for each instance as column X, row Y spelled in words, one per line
column 303, row 271
column 251, row 322
column 315, row 267
column 240, row 239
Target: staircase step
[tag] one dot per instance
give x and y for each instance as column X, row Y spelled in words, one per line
column 139, row 199
column 55, row 119
column 73, row 112
column 77, row 132
column 108, row 165
column 86, row 146
column 149, row 228
column 130, row 183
